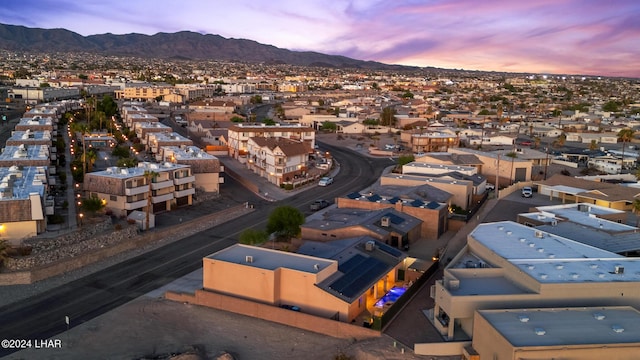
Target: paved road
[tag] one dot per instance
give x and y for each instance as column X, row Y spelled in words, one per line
column 43, row 316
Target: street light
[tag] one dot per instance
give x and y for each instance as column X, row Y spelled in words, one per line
column 81, row 216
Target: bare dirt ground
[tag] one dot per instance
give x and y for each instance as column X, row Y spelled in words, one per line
column 148, row 327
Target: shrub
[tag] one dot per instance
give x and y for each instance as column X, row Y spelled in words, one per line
column 118, row 227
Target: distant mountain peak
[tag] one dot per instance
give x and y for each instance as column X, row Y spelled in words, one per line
column 178, row 45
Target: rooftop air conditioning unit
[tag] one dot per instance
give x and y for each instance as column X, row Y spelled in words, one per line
column 385, row 221
column 554, row 222
column 248, row 259
column 370, row 245
column 619, row 269
column 539, row 234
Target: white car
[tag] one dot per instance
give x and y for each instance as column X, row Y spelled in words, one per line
column 527, row 192
column 325, row 181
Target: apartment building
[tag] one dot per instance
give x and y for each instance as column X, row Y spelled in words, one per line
column 238, row 136
column 143, row 129
column 25, row 155
column 143, row 92
column 277, row 159
column 37, row 123
column 157, row 140
column 29, row 137
column 23, row 202
column 127, row 189
column 205, row 167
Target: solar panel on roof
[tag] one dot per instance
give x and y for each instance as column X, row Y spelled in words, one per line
column 389, row 250
column 433, row 205
column 354, row 195
column 351, row 264
column 364, row 269
column 361, row 283
column 395, row 219
column 394, row 200
column 417, row 203
column 374, row 198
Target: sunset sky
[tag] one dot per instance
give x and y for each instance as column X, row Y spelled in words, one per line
column 593, row 37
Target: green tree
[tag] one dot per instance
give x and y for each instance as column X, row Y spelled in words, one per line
column 237, row 119
column 388, row 116
column 593, row 145
column 285, row 221
column 253, row 236
column 256, row 99
column 127, row 162
column 329, row 126
column 268, row 121
column 625, row 135
column 611, row 106
column 4, row 251
column 91, row 157
column 121, row 152
column 407, row 95
column 92, row 204
column 405, row 159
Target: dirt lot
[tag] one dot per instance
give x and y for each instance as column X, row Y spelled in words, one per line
column 148, row 327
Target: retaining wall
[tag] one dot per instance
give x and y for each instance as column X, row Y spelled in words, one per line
column 275, row 314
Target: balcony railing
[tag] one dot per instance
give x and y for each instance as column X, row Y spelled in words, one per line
column 136, row 190
column 162, row 198
column 161, row 184
column 135, row 205
column 184, row 180
column 183, row 193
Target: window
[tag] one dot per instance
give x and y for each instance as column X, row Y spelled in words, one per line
column 113, row 198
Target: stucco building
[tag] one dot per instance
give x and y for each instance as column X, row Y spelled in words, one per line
column 124, row 190
column 341, row 286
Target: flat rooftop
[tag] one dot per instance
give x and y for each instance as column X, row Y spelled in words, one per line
column 25, row 152
column 550, row 258
column 270, row 259
column 44, row 135
column 438, row 167
column 480, row 285
column 167, row 137
column 18, row 184
column 35, row 121
column 124, row 173
column 566, row 326
column 187, row 153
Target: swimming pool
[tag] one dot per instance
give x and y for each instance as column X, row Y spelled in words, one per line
column 391, row 296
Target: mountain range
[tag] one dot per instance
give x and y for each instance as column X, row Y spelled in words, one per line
column 181, row 45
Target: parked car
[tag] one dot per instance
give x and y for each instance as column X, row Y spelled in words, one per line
column 319, row 204
column 290, row 307
column 325, row 181
column 527, row 192
column 490, row 186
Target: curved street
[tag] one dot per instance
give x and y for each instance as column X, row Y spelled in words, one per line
column 43, row 316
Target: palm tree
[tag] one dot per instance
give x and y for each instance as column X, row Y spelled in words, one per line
column 625, row 135
column 636, row 210
column 149, row 176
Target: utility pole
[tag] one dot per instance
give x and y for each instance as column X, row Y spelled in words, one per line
column 498, row 178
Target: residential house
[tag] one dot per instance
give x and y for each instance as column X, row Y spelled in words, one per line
column 340, row 287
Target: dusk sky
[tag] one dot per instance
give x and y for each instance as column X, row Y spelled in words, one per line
column 593, row 37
